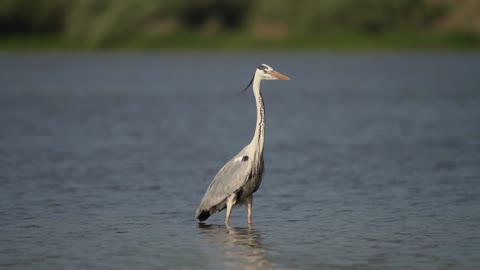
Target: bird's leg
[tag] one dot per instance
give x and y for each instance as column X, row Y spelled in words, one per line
column 249, row 202
column 230, row 202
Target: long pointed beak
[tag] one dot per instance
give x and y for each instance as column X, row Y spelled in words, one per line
column 279, row 75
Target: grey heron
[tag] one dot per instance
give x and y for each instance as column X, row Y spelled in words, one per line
column 240, row 177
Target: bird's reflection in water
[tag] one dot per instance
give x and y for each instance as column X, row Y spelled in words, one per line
column 241, row 247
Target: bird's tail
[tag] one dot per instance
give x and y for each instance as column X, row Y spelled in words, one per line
column 202, row 215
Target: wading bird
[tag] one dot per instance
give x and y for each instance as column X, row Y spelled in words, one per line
column 240, row 177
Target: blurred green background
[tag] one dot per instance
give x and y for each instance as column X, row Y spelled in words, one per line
column 238, row 24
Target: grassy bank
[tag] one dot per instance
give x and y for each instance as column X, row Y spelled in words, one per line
column 87, row 25
column 243, row 42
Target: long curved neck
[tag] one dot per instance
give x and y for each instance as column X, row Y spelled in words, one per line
column 259, row 137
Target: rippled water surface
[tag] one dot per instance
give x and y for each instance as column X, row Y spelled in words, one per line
column 372, row 161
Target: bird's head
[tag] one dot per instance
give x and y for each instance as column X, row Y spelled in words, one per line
column 268, row 73
column 265, row 72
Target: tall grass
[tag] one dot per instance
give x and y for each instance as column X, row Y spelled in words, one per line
column 98, row 23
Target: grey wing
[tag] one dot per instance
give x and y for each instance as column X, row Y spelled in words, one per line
column 228, row 180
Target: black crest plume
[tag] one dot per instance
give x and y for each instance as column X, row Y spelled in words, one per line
column 250, row 83
column 262, row 67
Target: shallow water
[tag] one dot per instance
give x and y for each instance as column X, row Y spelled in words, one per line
column 372, row 161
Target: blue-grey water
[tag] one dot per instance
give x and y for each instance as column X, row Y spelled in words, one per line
column 372, row 161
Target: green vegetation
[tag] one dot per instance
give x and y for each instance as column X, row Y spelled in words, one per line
column 237, row 24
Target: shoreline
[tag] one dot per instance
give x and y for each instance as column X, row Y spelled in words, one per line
column 239, row 42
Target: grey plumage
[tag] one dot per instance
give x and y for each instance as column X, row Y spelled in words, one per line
column 240, row 177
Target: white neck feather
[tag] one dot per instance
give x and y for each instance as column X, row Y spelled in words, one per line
column 259, row 137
